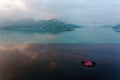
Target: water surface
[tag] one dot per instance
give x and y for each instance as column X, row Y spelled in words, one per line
column 81, row 35
column 59, row 61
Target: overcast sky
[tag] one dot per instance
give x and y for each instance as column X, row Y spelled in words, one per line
column 72, row 11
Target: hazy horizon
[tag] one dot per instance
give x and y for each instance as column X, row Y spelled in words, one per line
column 81, row 12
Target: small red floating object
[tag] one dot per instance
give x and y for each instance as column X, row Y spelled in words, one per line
column 88, row 63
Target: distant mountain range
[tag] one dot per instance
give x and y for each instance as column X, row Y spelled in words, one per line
column 116, row 28
column 52, row 26
column 41, row 26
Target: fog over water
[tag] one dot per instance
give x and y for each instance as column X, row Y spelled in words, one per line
column 85, row 12
column 90, row 13
column 80, row 35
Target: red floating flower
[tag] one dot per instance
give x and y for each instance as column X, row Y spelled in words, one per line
column 88, row 63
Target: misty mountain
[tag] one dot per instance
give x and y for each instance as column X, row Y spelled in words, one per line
column 41, row 26
column 116, row 28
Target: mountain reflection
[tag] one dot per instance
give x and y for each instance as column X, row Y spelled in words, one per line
column 58, row 62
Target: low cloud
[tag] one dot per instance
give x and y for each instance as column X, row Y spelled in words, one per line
column 72, row 11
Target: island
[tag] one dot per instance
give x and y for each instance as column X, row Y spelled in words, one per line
column 116, row 28
column 41, row 26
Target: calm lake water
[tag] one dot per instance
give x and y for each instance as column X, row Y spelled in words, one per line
column 80, row 35
column 59, row 61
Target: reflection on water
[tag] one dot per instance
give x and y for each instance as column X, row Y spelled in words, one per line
column 80, row 35
column 59, row 62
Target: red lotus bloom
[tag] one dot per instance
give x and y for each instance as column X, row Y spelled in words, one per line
column 88, row 63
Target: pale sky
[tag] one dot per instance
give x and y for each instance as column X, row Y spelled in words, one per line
column 72, row 11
